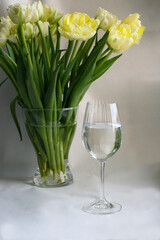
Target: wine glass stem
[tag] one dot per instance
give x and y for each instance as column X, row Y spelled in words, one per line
column 102, row 167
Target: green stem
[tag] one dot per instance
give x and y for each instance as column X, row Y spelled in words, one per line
column 52, row 161
column 39, row 135
column 45, row 46
column 103, row 60
column 38, row 149
column 74, row 50
column 68, row 52
column 62, row 156
column 21, row 36
column 49, row 132
column 68, row 139
column 107, row 56
column 103, row 54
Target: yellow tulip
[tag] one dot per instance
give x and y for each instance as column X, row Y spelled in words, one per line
column 106, row 18
column 78, row 26
column 135, row 23
column 125, row 33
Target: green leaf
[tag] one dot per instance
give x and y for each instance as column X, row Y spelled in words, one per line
column 45, row 64
column 14, row 47
column 102, row 68
column 9, row 73
column 53, row 68
column 10, row 52
column 50, row 96
column 29, row 79
column 41, row 76
column 86, row 71
column 58, row 40
column 8, row 61
column 35, row 70
column 68, row 52
column 87, row 48
column 45, row 54
column 78, row 61
column 3, row 81
column 68, row 71
column 21, row 76
column 59, row 94
column 51, row 42
column 9, row 66
column 66, row 74
column 83, row 53
column 14, row 116
column 32, row 90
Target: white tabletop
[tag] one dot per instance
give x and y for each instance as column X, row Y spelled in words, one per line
column 28, row 212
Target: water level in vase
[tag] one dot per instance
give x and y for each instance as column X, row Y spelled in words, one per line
column 101, row 139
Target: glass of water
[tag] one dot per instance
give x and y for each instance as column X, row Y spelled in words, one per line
column 101, row 136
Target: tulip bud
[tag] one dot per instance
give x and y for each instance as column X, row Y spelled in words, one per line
column 44, row 27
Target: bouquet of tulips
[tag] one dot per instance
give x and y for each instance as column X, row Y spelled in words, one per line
column 45, row 76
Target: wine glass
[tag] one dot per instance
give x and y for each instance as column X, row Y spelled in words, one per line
column 101, row 136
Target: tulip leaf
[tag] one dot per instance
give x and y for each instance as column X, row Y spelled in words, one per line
column 102, row 68
column 14, row 116
column 8, row 72
column 68, row 71
column 3, row 81
column 85, row 73
column 65, row 76
column 54, row 63
column 21, row 76
column 87, row 47
column 8, row 61
column 32, row 90
column 13, row 48
column 78, row 61
column 59, row 94
column 58, row 40
column 10, row 52
column 68, row 52
column 35, row 70
column 50, row 96
column 40, row 76
column 51, row 42
column 84, row 50
column 45, row 54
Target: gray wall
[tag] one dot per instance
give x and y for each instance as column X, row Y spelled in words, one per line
column 133, row 82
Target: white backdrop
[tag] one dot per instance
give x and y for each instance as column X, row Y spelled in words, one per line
column 133, row 82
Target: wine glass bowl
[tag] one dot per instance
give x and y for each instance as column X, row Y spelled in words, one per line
column 101, row 136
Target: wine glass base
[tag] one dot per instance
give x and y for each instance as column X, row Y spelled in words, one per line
column 102, row 207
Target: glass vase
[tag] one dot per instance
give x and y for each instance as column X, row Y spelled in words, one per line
column 51, row 132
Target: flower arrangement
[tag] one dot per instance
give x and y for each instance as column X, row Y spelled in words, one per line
column 45, row 76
